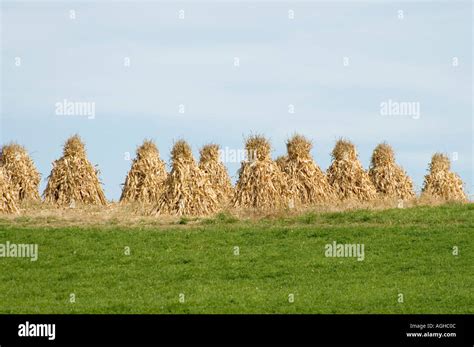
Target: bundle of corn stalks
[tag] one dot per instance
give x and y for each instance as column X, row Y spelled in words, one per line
column 389, row 179
column 261, row 183
column 306, row 182
column 347, row 176
column 210, row 163
column 441, row 183
column 21, row 171
column 281, row 161
column 146, row 178
column 188, row 190
column 73, row 179
column 7, row 200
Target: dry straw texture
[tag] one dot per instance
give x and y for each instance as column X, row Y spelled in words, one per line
column 347, row 176
column 389, row 179
column 261, row 183
column 21, row 171
column 188, row 190
column 306, row 181
column 441, row 183
column 73, row 179
column 210, row 163
column 146, row 178
column 281, row 161
column 7, row 201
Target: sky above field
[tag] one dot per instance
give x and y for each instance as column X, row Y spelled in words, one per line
column 218, row 71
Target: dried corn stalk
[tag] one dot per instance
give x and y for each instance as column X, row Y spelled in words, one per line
column 261, row 183
column 7, row 200
column 281, row 161
column 146, row 178
column 21, row 171
column 188, row 190
column 441, row 183
column 389, row 179
column 347, row 176
column 210, row 164
column 73, row 179
column 306, row 181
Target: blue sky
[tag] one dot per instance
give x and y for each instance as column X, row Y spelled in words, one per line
column 283, row 61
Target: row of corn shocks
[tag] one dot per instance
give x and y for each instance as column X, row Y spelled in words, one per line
column 204, row 187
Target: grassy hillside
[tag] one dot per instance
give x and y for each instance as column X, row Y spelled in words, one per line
column 407, row 251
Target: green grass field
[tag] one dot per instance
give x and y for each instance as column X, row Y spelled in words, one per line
column 407, row 251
